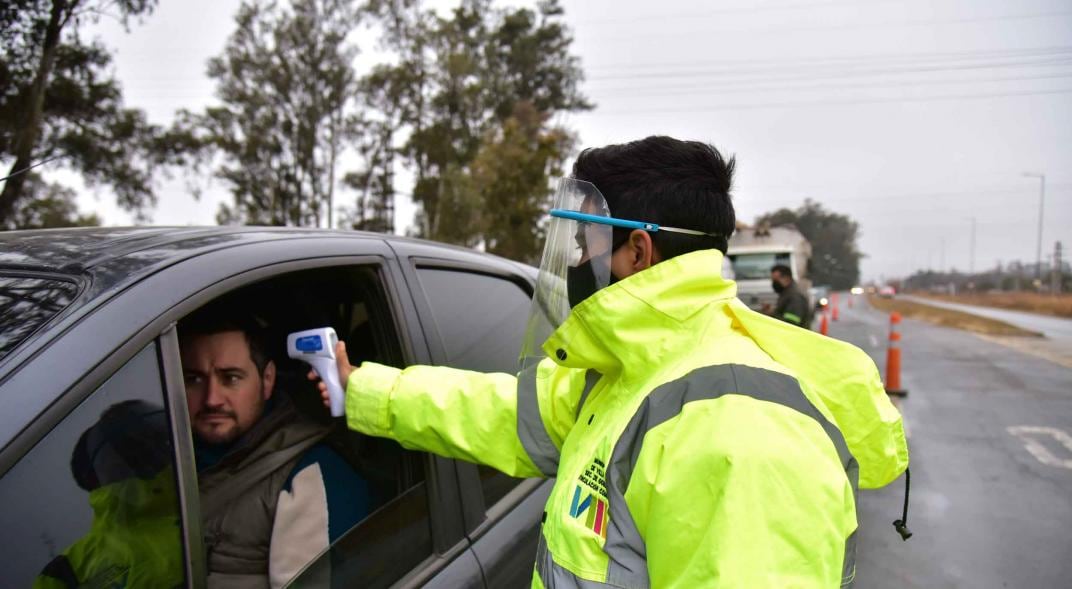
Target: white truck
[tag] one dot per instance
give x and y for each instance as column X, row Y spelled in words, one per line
column 752, row 253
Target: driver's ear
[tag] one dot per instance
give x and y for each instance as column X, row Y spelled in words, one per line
column 268, row 380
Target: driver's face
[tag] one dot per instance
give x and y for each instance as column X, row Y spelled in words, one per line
column 225, row 392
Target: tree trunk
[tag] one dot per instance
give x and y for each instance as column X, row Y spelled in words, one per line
column 26, row 139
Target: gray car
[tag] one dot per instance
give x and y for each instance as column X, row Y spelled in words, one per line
column 88, row 323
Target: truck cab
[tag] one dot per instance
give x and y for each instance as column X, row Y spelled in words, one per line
column 754, row 250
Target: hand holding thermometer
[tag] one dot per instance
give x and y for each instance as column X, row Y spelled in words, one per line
column 316, row 347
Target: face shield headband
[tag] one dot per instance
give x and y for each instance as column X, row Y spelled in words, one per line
column 577, row 257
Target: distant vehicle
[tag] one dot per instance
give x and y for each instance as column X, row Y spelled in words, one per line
column 886, row 292
column 857, row 290
column 89, row 323
column 754, row 250
column 820, row 295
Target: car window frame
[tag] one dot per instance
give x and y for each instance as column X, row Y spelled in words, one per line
column 478, row 516
column 445, row 522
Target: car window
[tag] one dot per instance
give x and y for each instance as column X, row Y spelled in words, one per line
column 94, row 503
column 756, row 266
column 27, row 303
column 481, row 320
column 394, row 535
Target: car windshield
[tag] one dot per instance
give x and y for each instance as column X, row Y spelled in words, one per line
column 27, row 303
column 756, row 266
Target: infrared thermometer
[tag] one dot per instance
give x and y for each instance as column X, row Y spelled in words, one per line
column 316, row 347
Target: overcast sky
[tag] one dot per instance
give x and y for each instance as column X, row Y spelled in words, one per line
column 912, row 116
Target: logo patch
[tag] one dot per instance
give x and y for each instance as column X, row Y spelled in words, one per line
column 596, row 509
column 590, row 498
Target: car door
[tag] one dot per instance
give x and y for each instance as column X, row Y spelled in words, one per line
column 415, row 537
column 96, row 502
column 474, row 311
column 418, row 534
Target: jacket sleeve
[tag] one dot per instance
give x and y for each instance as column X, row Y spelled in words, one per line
column 792, row 309
column 513, row 424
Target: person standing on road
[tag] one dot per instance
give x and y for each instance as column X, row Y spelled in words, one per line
column 792, row 306
column 693, row 442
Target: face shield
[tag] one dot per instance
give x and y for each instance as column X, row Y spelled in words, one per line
column 576, row 259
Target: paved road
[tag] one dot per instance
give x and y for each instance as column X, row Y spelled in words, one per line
column 1055, row 328
column 990, row 434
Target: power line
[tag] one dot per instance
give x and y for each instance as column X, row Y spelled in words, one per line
column 672, row 91
column 854, row 26
column 867, row 58
column 753, row 106
column 32, row 166
column 795, row 71
column 992, row 191
column 725, row 11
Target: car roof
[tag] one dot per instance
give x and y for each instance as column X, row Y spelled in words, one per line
column 114, row 255
column 105, row 260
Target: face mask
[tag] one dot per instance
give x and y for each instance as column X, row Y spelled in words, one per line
column 580, row 283
column 777, row 286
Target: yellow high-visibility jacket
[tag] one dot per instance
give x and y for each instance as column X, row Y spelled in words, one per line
column 693, row 442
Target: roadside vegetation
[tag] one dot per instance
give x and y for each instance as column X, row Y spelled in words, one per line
column 1046, row 304
column 949, row 317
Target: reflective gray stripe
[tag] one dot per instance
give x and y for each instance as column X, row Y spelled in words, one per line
column 591, row 377
column 624, row 546
column 530, row 429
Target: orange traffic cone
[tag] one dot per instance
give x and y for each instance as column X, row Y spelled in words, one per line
column 893, row 358
column 850, row 300
column 824, row 325
column 833, row 303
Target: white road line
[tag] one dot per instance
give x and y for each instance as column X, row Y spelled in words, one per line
column 874, row 340
column 1029, row 435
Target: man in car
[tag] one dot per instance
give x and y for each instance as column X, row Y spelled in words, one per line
column 792, row 306
column 273, row 494
column 693, row 442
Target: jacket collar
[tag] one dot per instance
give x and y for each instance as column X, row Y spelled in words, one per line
column 641, row 320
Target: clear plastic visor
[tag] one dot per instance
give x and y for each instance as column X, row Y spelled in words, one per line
column 575, row 262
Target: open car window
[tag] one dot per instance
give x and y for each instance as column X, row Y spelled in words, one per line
column 395, row 533
column 486, row 337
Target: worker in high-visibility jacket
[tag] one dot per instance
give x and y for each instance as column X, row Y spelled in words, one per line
column 693, row 442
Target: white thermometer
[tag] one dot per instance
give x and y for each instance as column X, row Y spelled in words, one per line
column 316, row 347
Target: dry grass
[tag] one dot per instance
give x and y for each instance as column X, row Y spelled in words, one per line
column 949, row 317
column 1046, row 304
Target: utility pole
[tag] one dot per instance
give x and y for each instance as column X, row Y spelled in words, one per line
column 971, row 259
column 1057, row 272
column 1042, row 197
column 941, row 259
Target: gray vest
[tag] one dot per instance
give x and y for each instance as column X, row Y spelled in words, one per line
column 239, row 495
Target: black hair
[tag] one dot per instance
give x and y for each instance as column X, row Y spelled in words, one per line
column 227, row 316
column 782, row 270
column 684, row 184
column 137, row 434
